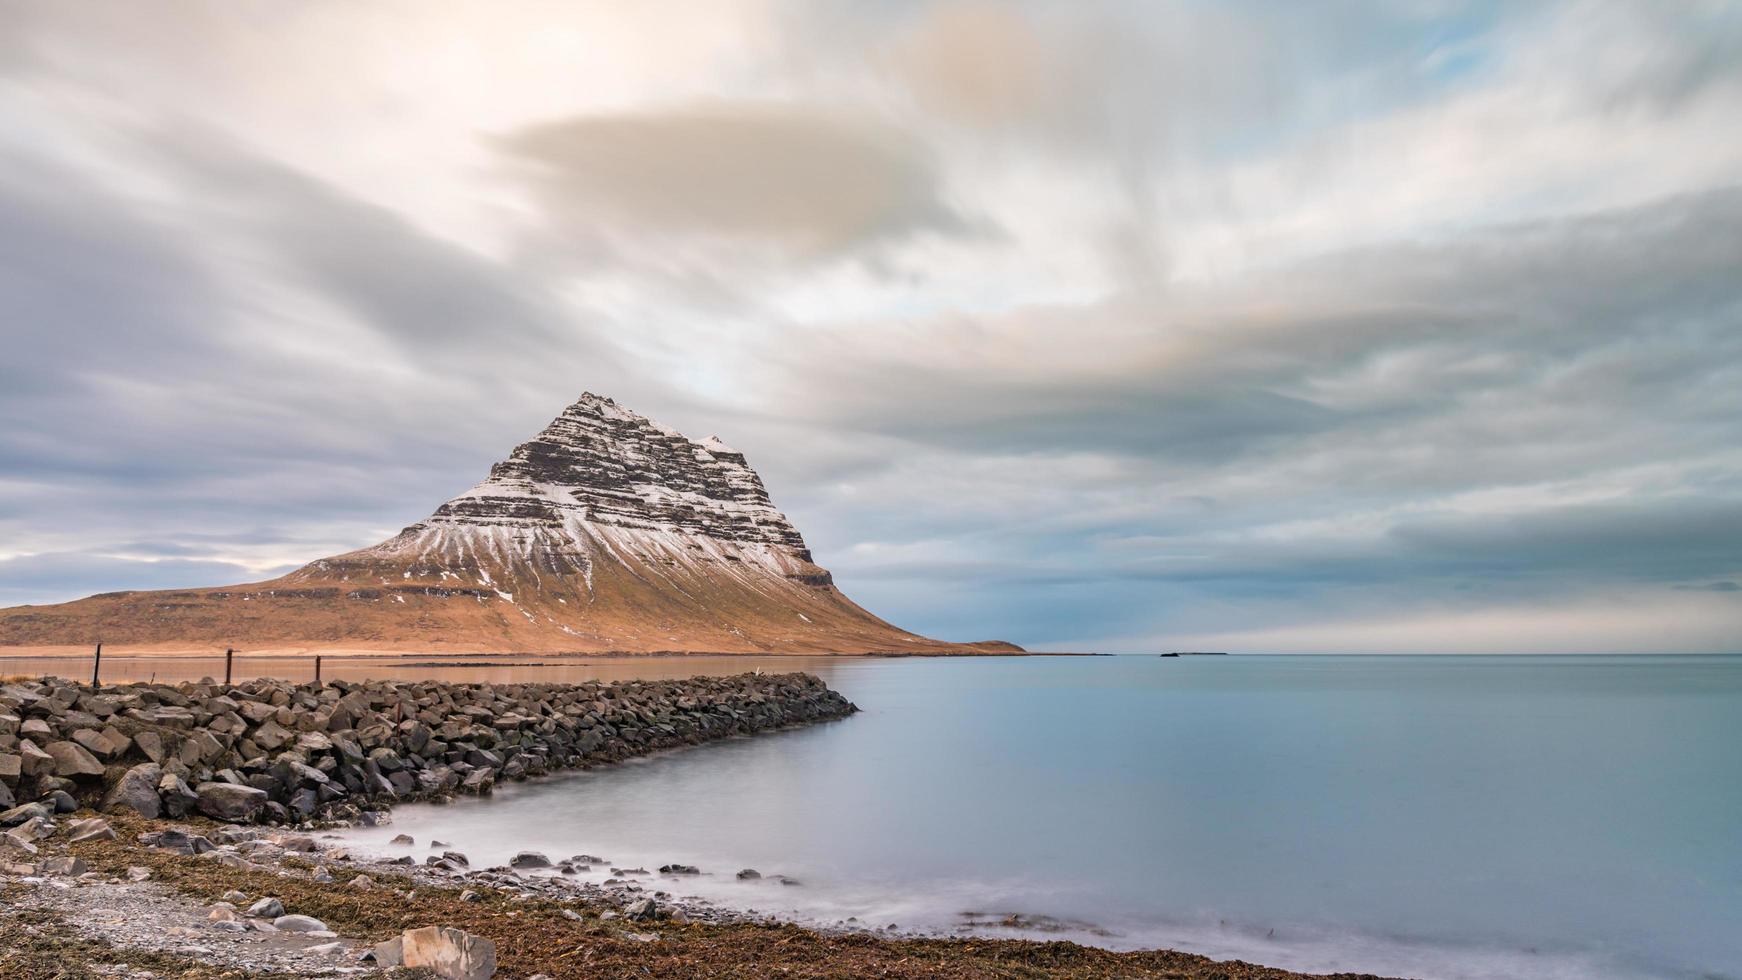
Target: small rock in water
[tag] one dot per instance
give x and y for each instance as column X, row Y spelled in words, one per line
column 749, row 874
column 436, row 845
column 529, row 859
column 679, row 869
column 404, row 840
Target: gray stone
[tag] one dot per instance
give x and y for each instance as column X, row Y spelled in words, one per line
column 266, row 908
column 136, row 790
column 529, row 859
column 65, row 865
column 33, row 760
column 72, row 761
column 22, row 814
column 95, row 828
column 226, row 801
column 299, row 923
column 14, row 849
column 36, row 828
column 150, row 745
column 179, row 799
column 95, row 742
column 645, row 910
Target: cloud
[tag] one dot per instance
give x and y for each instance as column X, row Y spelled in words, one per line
column 803, row 183
column 1088, row 325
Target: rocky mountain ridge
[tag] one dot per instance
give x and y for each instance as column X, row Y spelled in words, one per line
column 605, row 532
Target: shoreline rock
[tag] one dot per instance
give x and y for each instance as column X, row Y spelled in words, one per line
column 273, row 752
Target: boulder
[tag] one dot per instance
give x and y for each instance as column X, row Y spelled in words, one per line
column 65, row 865
column 266, row 908
column 61, row 800
column 448, row 953
column 136, row 790
column 229, row 802
column 34, row 761
column 389, row 954
column 15, row 850
column 179, row 799
column 645, row 910
column 150, row 745
column 95, row 828
column 23, row 814
column 11, row 767
column 72, row 761
column 95, row 742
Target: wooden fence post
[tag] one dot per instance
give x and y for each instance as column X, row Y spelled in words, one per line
column 97, row 665
column 317, row 670
column 229, row 660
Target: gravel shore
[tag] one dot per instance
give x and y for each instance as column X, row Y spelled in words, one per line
column 139, row 906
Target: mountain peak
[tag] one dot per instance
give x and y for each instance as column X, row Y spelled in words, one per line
column 605, row 531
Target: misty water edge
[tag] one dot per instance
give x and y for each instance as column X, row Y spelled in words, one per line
column 1453, row 817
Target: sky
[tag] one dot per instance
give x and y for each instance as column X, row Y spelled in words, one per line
column 1411, row 326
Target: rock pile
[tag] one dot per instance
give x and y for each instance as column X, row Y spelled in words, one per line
column 275, row 752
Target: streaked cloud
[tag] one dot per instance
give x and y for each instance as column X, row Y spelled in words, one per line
column 1108, row 325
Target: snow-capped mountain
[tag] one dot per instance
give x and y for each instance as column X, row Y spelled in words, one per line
column 605, row 532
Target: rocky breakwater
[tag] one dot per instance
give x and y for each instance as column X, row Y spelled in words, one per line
column 270, row 751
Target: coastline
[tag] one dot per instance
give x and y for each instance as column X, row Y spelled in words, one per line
column 187, row 915
column 626, row 922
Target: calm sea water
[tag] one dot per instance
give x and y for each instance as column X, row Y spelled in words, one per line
column 1422, row 816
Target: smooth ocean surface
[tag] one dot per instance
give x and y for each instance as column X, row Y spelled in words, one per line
column 1420, row 816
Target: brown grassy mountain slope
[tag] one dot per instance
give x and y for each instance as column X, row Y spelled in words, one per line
column 606, row 532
